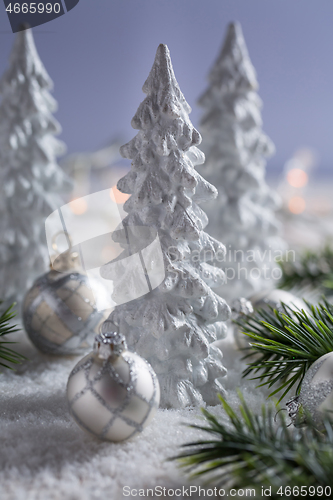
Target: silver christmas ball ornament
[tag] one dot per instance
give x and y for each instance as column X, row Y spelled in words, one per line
column 265, row 299
column 59, row 311
column 113, row 393
column 315, row 400
column 273, row 298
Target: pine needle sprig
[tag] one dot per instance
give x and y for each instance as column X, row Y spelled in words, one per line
column 312, row 268
column 285, row 343
column 250, row 450
column 8, row 355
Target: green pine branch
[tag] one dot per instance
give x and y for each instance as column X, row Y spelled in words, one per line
column 8, row 355
column 250, row 450
column 285, row 343
column 312, row 268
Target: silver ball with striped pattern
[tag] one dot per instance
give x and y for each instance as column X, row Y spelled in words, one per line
column 113, row 393
column 60, row 314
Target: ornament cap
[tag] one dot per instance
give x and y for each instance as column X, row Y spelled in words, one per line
column 241, row 306
column 109, row 344
column 295, row 411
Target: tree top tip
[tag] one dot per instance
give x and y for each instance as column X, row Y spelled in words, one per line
column 234, row 30
column 163, row 53
column 163, row 48
column 24, row 26
column 235, row 26
column 161, row 71
column 24, row 35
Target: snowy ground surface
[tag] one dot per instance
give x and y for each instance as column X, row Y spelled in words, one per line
column 44, row 455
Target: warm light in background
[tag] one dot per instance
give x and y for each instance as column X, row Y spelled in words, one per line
column 78, row 206
column 296, row 205
column 109, row 253
column 117, row 196
column 297, row 178
column 305, row 159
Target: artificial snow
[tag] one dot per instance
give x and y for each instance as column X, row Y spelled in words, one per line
column 44, row 455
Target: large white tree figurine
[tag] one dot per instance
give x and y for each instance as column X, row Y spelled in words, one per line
column 236, row 149
column 29, row 173
column 174, row 325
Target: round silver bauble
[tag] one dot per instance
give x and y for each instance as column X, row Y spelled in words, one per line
column 60, row 315
column 113, row 393
column 265, row 299
column 315, row 400
column 273, row 298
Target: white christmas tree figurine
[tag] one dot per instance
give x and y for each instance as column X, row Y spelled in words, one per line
column 173, row 326
column 29, row 174
column 236, row 149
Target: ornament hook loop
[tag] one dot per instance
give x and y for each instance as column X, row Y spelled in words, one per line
column 68, row 238
column 66, row 260
column 276, row 414
column 109, row 344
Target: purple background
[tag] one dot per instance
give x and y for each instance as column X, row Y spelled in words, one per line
column 100, row 53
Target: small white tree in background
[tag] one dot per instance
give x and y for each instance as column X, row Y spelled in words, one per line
column 243, row 215
column 173, row 326
column 29, row 173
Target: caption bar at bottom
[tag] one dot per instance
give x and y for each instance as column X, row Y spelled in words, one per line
column 198, row 491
